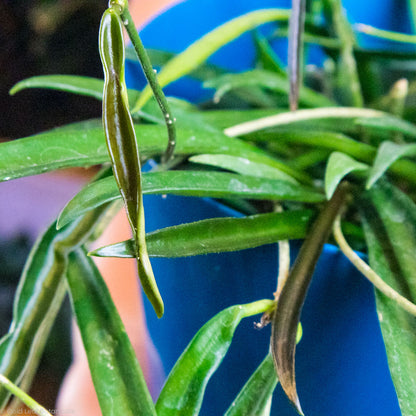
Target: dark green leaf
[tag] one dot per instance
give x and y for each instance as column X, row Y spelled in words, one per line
column 190, row 183
column 72, row 146
column 183, row 391
column 116, row 373
column 339, row 165
column 217, row 235
column 390, row 230
column 387, row 154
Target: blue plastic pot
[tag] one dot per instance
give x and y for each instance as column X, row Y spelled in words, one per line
column 341, row 363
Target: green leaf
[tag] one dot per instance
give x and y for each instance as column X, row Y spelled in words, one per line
column 190, row 183
column 387, row 154
column 81, row 85
column 243, row 166
column 203, row 48
column 255, row 397
column 340, row 165
column 290, row 302
column 266, row 55
column 267, row 80
column 335, row 116
column 390, row 230
column 183, row 391
column 73, row 146
column 386, row 124
column 217, row 235
column 39, row 293
column 116, row 373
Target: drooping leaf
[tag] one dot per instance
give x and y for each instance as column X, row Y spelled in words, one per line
column 116, row 373
column 191, row 183
column 183, row 391
column 264, row 79
column 290, row 302
column 75, row 84
column 390, row 231
column 387, row 154
column 73, row 146
column 340, row 165
column 203, row 48
column 242, row 166
column 217, row 235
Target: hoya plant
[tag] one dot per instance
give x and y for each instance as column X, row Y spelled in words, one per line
column 318, row 155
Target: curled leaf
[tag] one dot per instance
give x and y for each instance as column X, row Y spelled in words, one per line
column 290, row 302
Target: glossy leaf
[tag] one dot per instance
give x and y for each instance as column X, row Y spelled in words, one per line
column 117, row 376
column 38, row 293
column 340, row 165
column 242, row 166
column 217, row 235
column 72, row 146
column 387, row 154
column 390, row 230
column 387, row 124
column 255, row 397
column 190, row 183
column 183, row 391
column 290, row 302
column 264, row 79
column 203, row 48
column 75, row 84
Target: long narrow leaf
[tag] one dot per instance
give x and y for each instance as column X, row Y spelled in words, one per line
column 191, row 183
column 74, row 146
column 243, row 166
column 116, row 373
column 217, row 235
column 255, row 397
column 75, row 84
column 390, row 230
column 290, row 302
column 183, row 391
column 203, row 48
column 37, row 294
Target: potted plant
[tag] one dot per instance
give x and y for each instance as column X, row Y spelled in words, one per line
column 279, row 176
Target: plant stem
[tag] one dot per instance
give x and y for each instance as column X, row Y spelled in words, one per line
column 368, row 272
column 151, row 77
column 385, row 34
column 25, row 398
column 284, row 261
column 296, row 29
